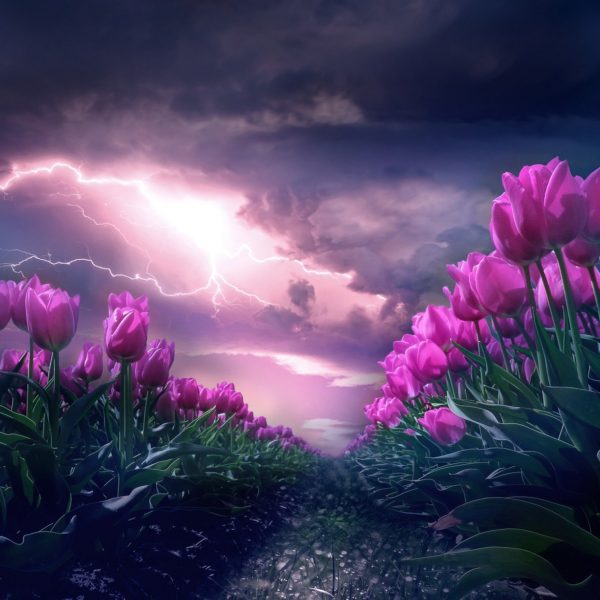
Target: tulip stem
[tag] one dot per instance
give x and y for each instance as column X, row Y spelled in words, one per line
column 572, row 316
column 29, row 405
column 541, row 364
column 551, row 304
column 54, row 409
column 594, row 279
column 125, row 414
column 502, row 344
column 149, row 401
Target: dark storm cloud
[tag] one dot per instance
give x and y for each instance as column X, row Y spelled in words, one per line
column 369, row 136
column 302, row 294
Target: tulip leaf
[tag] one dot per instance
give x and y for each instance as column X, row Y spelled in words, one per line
column 522, row 514
column 81, row 474
column 34, row 384
column 510, row 538
column 40, row 551
column 581, row 404
column 78, row 410
column 178, row 450
column 20, row 423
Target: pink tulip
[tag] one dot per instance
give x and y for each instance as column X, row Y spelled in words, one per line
column 457, row 361
column 408, row 339
column 19, row 315
column 126, row 300
column 436, row 323
column 186, row 393
column 7, row 294
column 73, row 383
column 461, row 273
column 402, row 383
column 591, row 187
column 166, row 406
column 461, row 309
column 582, row 253
column 499, row 286
column 89, row 362
column 152, row 369
column 51, row 317
column 581, row 286
column 126, row 334
column 506, row 237
column 443, row 425
column 427, row 361
column 548, row 204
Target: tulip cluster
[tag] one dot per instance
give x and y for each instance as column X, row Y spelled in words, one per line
column 545, row 227
column 50, row 317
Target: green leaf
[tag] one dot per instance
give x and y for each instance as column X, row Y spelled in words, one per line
column 81, row 474
column 40, row 551
column 20, row 423
column 178, row 450
column 78, row 410
column 521, row 514
column 510, row 538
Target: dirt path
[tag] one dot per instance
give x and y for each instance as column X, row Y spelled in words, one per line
column 320, row 538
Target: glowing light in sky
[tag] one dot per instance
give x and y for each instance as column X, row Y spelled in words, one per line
column 196, row 219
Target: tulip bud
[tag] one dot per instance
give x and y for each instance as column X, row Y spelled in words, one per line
column 89, row 362
column 427, row 361
column 19, row 315
column 126, row 334
column 51, row 317
column 443, row 425
column 152, row 369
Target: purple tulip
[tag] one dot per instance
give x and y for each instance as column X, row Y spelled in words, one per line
column 457, row 361
column 7, row 295
column 126, row 300
column 581, row 286
column 582, row 253
column 126, row 334
column 19, row 315
column 72, row 382
column 51, row 317
column 443, row 425
column 408, row 339
column 461, row 309
column 89, row 362
column 506, row 237
column 591, row 187
column 186, row 393
column 461, row 273
column 152, row 369
column 427, row 361
column 436, row 323
column 402, row 383
column 499, row 286
column 548, row 204
column 166, row 406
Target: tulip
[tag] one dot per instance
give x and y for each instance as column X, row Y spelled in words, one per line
column 152, row 369
column 51, row 317
column 186, row 393
column 443, row 425
column 402, row 383
column 89, row 362
column 126, row 334
column 7, row 293
column 582, row 253
column 591, row 187
column 549, row 206
column 427, row 361
column 72, row 382
column 126, row 300
column 457, row 361
column 461, row 309
column 19, row 315
column 461, row 273
column 506, row 237
column 166, row 406
column 499, row 286
column 408, row 339
column 437, row 324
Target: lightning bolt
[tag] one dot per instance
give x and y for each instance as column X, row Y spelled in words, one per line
column 216, row 284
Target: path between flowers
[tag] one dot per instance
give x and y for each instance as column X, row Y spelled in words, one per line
column 318, row 539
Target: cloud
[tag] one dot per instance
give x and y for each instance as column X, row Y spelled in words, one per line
column 302, row 294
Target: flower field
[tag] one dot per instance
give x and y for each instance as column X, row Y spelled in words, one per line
column 489, row 421
column 487, row 428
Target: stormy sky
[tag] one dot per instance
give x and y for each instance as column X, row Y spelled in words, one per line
column 286, row 180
